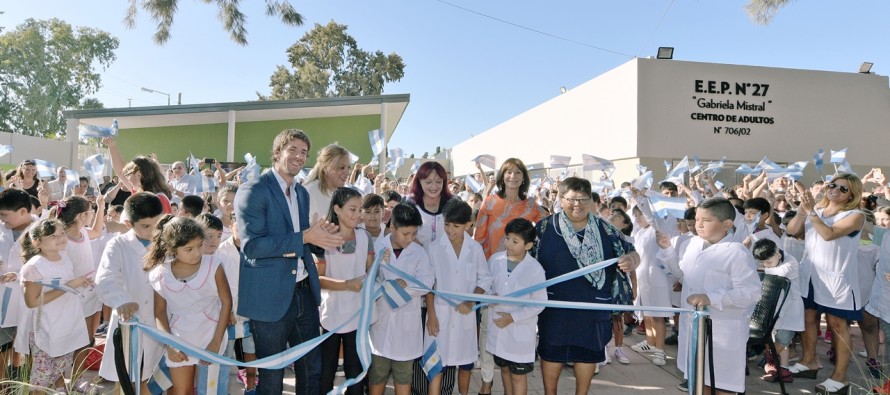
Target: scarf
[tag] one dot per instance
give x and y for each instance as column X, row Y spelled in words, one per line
column 587, row 251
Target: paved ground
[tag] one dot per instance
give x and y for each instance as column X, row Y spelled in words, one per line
column 642, row 377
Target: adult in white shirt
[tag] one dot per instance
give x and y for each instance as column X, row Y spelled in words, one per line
column 330, row 172
column 182, row 183
column 58, row 187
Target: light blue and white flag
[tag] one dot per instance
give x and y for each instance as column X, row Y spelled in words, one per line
column 352, row 157
column 681, row 168
column 374, row 162
column 395, row 295
column 431, row 361
column 716, row 166
column 485, row 160
column 376, row 137
column 593, row 163
column 5, row 149
column 213, row 379
column 746, row 169
column 839, row 156
column 845, row 167
column 193, row 164
column 45, row 168
column 473, row 184
column 207, row 184
column 667, row 166
column 415, row 166
column 600, row 186
column 95, row 166
column 560, row 161
column 697, row 164
column 643, row 181
column 798, row 166
column 94, row 131
column 396, row 157
column 766, row 164
column 251, row 170
column 72, row 177
column 817, row 160
column 665, row 205
column 641, row 169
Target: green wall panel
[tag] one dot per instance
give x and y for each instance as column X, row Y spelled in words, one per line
column 173, row 143
column 349, row 132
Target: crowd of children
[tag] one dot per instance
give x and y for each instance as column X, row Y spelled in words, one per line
column 70, row 268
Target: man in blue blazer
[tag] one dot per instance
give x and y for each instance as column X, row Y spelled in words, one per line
column 278, row 288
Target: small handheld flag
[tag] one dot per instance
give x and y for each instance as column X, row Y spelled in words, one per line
column 94, row 131
column 485, row 160
column 560, row 161
column 376, row 137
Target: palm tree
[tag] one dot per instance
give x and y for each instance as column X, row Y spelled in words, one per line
column 230, row 14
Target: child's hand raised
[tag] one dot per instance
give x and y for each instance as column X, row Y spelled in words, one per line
column 503, row 320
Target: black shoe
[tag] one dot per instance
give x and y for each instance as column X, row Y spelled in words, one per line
column 628, row 329
column 684, row 386
column 671, row 340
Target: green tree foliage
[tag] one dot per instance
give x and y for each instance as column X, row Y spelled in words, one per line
column 327, row 62
column 47, row 67
column 229, row 13
column 763, row 11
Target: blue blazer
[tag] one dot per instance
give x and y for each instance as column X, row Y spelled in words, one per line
column 270, row 248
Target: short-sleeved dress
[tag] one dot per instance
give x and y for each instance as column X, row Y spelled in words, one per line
column 193, row 305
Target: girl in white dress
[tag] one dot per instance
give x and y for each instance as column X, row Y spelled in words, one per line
column 192, row 299
column 342, row 273
column 74, row 213
column 54, row 321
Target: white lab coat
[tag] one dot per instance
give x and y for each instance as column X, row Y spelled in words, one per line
column 726, row 272
column 398, row 334
column 456, row 341
column 81, row 254
column 791, row 317
column 11, row 256
column 879, row 300
column 119, row 280
column 653, row 285
column 515, row 342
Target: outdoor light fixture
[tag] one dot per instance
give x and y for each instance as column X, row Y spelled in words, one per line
column 866, row 67
column 665, row 53
column 158, row 92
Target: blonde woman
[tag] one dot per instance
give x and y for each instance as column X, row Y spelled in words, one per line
column 330, row 172
column 829, row 274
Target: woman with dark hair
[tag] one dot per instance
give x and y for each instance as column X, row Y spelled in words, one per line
column 829, row 273
column 571, row 239
column 141, row 174
column 508, row 203
column 428, row 192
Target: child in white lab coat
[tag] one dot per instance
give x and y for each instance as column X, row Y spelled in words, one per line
column 511, row 329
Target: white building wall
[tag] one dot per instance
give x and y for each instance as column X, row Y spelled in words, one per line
column 642, row 112
column 597, row 118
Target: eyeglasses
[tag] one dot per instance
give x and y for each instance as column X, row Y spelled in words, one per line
column 841, row 188
column 130, row 173
column 581, row 201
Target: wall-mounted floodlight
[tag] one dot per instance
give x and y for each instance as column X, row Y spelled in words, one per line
column 665, row 53
column 866, row 67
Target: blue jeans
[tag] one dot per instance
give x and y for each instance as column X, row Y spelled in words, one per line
column 299, row 324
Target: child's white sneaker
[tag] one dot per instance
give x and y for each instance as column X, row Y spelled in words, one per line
column 608, row 359
column 644, row 346
column 621, row 356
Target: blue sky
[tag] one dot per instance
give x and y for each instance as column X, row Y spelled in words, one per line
column 467, row 72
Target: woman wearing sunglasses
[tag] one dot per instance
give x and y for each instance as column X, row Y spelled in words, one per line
column 829, row 274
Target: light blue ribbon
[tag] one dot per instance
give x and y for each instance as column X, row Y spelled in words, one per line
column 7, row 294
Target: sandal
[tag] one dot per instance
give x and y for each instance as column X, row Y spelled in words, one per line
column 831, row 387
column 774, row 376
column 803, row 371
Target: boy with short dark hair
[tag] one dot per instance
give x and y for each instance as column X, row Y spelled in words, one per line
column 16, row 218
column 397, row 336
column 720, row 274
column 511, row 328
column 757, row 211
column 122, row 283
column 372, row 216
column 191, row 206
column 460, row 266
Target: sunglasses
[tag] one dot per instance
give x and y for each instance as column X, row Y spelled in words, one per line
column 841, row 188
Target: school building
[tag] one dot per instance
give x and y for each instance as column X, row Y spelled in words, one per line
column 647, row 111
column 227, row 131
